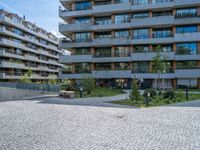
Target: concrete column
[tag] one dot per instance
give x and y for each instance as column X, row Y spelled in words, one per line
column 174, row 12
column 174, row 65
column 92, row 51
column 150, row 13
column 113, row 18
column 174, row 47
column 112, row 51
column 150, row 33
column 73, row 68
column 92, row 20
column 112, row 66
column 174, row 83
column 73, row 6
column 198, row 83
column 198, row 48
column 198, row 11
column 150, row 67
column 150, row 48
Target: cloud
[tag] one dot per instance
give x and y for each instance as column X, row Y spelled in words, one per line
column 57, row 34
column 10, row 9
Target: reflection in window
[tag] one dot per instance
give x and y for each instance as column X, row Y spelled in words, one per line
column 139, row 2
column 83, row 68
column 81, row 37
column 140, row 67
column 187, row 65
column 121, row 51
column 82, row 5
column 186, row 12
column 103, row 20
column 186, row 48
column 103, row 52
column 141, row 48
column 162, row 33
column 103, row 66
column 82, row 51
column 82, row 20
column 141, row 15
column 186, row 29
column 162, row 48
column 101, row 35
column 122, row 66
column 122, row 33
column 122, row 18
column 141, row 34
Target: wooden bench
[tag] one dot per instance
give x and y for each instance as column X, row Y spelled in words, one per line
column 67, row 94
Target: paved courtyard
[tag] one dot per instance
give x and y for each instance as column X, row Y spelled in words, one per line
column 57, row 124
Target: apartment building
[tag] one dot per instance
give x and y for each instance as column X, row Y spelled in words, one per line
column 23, row 45
column 115, row 41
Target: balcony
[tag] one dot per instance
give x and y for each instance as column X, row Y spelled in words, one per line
column 187, row 37
column 75, row 59
column 74, row 76
column 153, row 75
column 148, row 56
column 186, row 2
column 187, row 57
column 187, row 73
column 7, row 64
column 111, row 59
column 112, row 74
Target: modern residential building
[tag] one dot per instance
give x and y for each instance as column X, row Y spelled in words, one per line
column 23, row 45
column 115, row 41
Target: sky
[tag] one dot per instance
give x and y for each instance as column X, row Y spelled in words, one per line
column 42, row 12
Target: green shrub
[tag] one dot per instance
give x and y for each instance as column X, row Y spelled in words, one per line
column 169, row 94
column 135, row 93
column 88, row 84
column 151, row 91
column 67, row 85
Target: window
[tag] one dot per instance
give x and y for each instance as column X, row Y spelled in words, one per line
column 122, row 33
column 186, row 12
column 162, row 48
column 161, row 1
column 100, row 35
column 139, row 2
column 140, row 67
column 122, row 18
column 82, row 5
column 82, row 51
column 122, row 66
column 141, row 34
column 140, row 15
column 141, row 48
column 103, row 20
column 187, row 65
column 80, row 37
column 103, row 52
column 121, row 1
column 82, row 20
column 162, row 13
column 121, row 51
column 186, row 29
column 162, row 33
column 186, row 48
column 167, row 67
column 103, row 66
column 83, row 68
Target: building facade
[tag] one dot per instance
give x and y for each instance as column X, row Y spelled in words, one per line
column 23, row 45
column 115, row 41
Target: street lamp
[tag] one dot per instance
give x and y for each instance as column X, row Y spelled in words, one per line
column 81, row 92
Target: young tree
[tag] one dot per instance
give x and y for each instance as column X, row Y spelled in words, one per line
column 27, row 76
column 135, row 93
column 52, row 79
column 159, row 64
column 88, row 84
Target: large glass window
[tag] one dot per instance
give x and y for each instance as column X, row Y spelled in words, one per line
column 82, row 20
column 103, row 52
column 121, row 51
column 82, row 5
column 122, row 66
column 163, row 48
column 167, row 67
column 186, row 48
column 140, row 67
column 162, row 13
column 122, row 18
column 141, row 34
column 161, row 1
column 83, row 68
column 103, row 20
column 187, row 65
column 80, row 37
column 186, row 12
column 121, row 1
column 100, row 35
column 124, row 33
column 162, row 33
column 186, row 29
column 103, row 66
column 139, row 2
column 141, row 15
column 140, row 48
column 82, row 51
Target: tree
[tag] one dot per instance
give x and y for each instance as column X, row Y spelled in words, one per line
column 88, row 84
column 135, row 93
column 159, row 64
column 52, row 79
column 27, row 76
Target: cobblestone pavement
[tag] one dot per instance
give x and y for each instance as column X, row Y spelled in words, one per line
column 52, row 124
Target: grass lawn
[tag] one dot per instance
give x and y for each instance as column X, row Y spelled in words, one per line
column 156, row 102
column 100, row 92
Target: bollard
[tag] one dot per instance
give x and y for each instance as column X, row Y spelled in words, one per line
column 186, row 94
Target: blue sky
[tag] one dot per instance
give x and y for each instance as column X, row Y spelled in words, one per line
column 43, row 12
